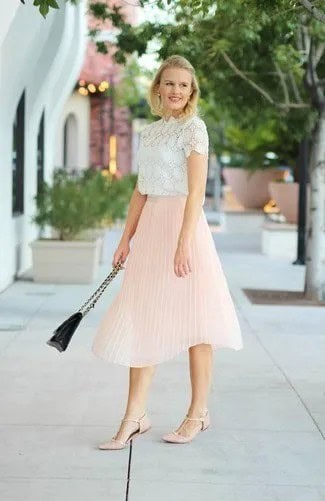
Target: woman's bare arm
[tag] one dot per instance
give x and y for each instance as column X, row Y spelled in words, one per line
column 197, row 169
column 136, row 204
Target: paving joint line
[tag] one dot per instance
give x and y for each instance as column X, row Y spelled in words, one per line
column 128, row 479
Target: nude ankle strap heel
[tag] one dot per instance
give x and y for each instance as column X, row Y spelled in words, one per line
column 113, row 444
column 144, row 422
column 176, row 438
column 205, row 420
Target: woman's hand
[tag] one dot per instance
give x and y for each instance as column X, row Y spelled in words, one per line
column 121, row 252
column 182, row 259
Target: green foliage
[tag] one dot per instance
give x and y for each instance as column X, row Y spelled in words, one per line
column 254, row 135
column 247, row 144
column 121, row 192
column 65, row 206
column 131, row 91
column 76, row 203
column 101, row 47
column 45, row 5
column 99, row 10
column 253, row 138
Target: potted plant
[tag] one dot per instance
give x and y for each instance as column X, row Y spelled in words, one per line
column 68, row 206
column 112, row 199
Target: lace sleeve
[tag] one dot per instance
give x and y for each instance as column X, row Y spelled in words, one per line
column 196, row 138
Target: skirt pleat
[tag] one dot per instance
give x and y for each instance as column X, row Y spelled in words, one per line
column 156, row 315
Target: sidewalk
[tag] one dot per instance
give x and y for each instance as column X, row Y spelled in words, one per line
column 266, row 440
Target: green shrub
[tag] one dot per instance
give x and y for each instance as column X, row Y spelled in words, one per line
column 77, row 202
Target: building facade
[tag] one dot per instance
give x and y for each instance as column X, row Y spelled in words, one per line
column 40, row 61
column 95, row 131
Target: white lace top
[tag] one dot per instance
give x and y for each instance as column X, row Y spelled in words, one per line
column 162, row 154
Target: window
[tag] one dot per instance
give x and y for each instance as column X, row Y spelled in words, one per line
column 40, row 154
column 18, row 151
column 70, row 142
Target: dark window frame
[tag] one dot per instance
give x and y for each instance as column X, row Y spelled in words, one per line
column 18, row 158
column 65, row 142
column 40, row 152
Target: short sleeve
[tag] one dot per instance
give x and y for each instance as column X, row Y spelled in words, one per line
column 196, row 138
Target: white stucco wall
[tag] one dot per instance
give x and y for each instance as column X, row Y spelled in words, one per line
column 42, row 57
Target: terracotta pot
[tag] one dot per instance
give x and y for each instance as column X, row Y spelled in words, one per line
column 286, row 197
column 251, row 189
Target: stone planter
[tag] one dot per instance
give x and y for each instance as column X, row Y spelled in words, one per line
column 94, row 233
column 279, row 240
column 65, row 262
column 251, row 189
column 286, row 196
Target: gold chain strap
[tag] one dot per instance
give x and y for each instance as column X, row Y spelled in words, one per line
column 98, row 292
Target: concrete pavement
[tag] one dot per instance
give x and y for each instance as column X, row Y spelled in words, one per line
column 266, row 440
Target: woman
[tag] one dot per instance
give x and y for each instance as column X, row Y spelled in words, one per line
column 174, row 295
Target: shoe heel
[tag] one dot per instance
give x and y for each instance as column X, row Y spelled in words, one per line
column 144, row 424
column 206, row 422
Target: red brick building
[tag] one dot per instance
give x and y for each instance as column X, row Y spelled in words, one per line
column 99, row 77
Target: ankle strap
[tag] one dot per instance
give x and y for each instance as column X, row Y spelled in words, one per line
column 201, row 418
column 135, row 420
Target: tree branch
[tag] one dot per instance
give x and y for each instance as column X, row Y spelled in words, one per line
column 295, row 87
column 283, row 83
column 316, row 91
column 300, row 39
column 306, row 40
column 259, row 89
column 316, row 13
column 296, row 106
column 248, row 80
column 319, row 52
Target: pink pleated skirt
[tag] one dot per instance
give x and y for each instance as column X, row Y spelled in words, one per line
column 156, row 315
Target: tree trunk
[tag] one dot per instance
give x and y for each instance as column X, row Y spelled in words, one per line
column 314, row 280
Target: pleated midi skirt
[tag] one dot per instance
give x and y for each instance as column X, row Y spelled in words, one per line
column 156, row 315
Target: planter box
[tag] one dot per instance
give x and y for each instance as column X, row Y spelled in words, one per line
column 286, row 196
column 65, row 262
column 279, row 240
column 93, row 234
column 251, row 189
column 243, row 221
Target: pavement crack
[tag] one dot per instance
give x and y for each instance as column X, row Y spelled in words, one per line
column 128, row 479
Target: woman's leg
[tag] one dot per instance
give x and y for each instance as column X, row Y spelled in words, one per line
column 139, row 384
column 200, row 360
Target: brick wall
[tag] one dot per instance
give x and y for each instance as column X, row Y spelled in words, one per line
column 96, row 68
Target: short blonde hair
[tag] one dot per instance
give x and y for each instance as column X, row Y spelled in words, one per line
column 154, row 100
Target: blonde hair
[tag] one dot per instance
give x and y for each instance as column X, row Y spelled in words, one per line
column 154, row 100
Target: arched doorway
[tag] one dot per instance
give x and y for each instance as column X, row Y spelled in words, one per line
column 70, row 142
